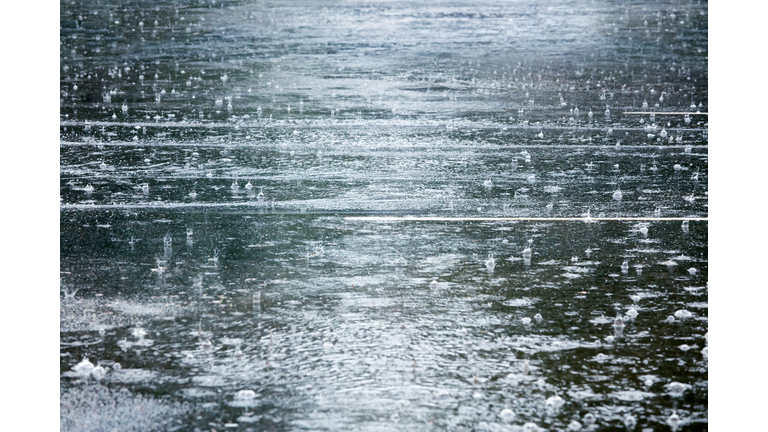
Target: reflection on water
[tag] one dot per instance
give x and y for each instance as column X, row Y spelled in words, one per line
column 327, row 325
column 212, row 152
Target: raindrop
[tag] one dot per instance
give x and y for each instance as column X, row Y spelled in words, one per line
column 491, row 263
column 527, row 250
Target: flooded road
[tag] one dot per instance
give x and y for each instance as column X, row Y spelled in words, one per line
column 383, row 216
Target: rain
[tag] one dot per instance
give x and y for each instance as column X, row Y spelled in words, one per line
column 383, row 215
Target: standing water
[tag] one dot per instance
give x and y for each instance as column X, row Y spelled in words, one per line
column 362, row 276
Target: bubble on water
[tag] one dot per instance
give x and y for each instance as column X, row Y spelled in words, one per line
column 84, row 368
column 245, row 399
column 618, row 323
column 589, row 419
column 538, row 317
column 507, row 415
column 554, row 403
column 674, row 421
column 530, row 427
column 630, row 421
column 574, row 426
column 99, row 372
column 682, row 314
column 525, row 320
